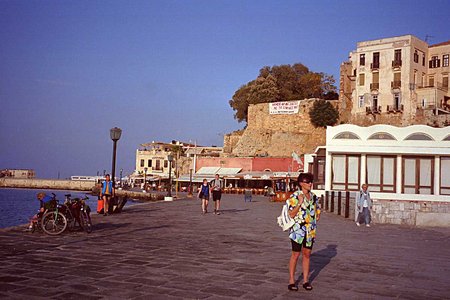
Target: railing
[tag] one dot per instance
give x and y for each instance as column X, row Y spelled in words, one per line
column 396, row 63
column 394, row 108
column 439, row 85
column 396, row 84
column 373, row 109
column 374, row 66
column 374, row 86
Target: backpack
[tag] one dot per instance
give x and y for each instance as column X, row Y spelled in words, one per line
column 284, row 220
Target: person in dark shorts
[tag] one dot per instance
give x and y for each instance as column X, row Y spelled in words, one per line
column 305, row 210
column 203, row 194
column 216, row 186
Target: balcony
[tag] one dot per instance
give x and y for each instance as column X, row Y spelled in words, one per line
column 375, row 66
column 373, row 110
column 395, row 108
column 374, row 86
column 396, row 84
column 433, row 85
column 396, row 63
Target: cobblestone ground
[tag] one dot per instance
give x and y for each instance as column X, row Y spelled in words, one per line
column 169, row 250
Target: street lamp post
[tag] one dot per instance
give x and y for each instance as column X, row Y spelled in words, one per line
column 121, row 184
column 190, row 184
column 115, row 134
column 170, row 159
column 145, row 178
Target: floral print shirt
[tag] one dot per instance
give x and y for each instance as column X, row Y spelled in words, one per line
column 306, row 218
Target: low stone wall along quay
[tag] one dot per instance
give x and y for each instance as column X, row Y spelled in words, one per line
column 53, row 184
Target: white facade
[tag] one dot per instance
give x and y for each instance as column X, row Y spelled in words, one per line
column 398, row 163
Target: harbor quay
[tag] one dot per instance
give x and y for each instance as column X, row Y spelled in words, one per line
column 169, row 250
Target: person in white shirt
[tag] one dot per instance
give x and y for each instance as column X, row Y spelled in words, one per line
column 364, row 204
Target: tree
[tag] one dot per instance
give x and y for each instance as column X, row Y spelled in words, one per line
column 281, row 83
column 323, row 114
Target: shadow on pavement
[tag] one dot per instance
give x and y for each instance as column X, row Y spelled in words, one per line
column 233, row 210
column 320, row 259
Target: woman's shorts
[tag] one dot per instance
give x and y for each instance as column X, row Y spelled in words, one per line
column 296, row 247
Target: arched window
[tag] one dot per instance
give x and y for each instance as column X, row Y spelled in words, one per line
column 347, row 135
column 419, row 136
column 382, row 136
column 267, row 170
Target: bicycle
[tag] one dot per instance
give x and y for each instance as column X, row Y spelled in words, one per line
column 65, row 216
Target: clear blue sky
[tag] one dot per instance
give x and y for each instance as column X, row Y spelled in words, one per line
column 163, row 70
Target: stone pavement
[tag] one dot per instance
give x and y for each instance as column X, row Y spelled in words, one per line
column 168, row 250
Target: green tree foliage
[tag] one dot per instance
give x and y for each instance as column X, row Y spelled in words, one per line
column 323, row 114
column 281, row 83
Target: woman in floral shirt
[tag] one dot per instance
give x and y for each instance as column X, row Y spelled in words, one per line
column 305, row 210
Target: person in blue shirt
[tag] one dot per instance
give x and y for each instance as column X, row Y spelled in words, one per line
column 106, row 193
column 204, row 194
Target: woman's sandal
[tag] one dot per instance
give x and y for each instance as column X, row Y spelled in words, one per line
column 307, row 286
column 292, row 287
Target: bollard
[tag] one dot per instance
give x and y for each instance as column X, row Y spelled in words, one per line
column 339, row 203
column 347, row 204
column 321, row 201
column 327, row 197
column 332, row 202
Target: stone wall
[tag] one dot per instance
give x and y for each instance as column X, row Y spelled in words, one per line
column 276, row 135
column 413, row 213
column 46, row 184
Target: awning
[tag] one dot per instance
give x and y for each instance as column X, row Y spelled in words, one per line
column 218, row 170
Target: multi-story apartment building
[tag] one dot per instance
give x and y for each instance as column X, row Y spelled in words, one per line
column 398, row 80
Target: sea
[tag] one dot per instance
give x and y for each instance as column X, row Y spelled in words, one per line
column 17, row 206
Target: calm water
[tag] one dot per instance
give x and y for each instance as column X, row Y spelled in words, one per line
column 19, row 205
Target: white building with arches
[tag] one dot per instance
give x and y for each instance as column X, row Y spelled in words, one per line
column 407, row 169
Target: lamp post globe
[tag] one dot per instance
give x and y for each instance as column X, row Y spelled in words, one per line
column 115, row 134
column 170, row 159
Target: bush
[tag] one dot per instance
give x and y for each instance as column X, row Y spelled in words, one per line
column 323, row 114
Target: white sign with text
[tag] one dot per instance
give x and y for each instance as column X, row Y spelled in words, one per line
column 284, row 108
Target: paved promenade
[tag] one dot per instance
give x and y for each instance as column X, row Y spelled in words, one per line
column 169, row 250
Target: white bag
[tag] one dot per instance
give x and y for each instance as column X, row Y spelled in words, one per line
column 284, row 220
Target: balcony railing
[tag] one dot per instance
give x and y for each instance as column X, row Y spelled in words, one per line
column 374, row 86
column 396, row 63
column 432, row 85
column 395, row 108
column 396, row 84
column 373, row 110
column 375, row 66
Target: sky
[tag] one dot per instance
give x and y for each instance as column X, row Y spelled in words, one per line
column 163, row 70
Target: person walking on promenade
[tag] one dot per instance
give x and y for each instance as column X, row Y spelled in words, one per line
column 216, row 185
column 204, row 194
column 106, row 193
column 305, row 210
column 364, row 205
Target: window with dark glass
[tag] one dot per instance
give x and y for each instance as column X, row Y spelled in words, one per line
column 166, row 163
column 397, row 58
column 445, row 60
column 423, row 59
column 149, row 163
column 142, row 163
column 445, row 175
column 376, row 60
column 362, row 59
column 416, row 56
column 435, row 62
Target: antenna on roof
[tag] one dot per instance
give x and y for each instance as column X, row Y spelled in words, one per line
column 428, row 37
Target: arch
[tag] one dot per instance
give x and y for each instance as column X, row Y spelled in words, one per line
column 382, row 136
column 419, row 136
column 267, row 170
column 346, row 135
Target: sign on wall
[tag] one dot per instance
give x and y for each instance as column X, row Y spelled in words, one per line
column 284, row 108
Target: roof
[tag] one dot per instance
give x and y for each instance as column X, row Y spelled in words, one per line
column 440, row 44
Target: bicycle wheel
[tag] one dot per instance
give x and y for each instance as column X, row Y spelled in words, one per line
column 86, row 222
column 53, row 223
